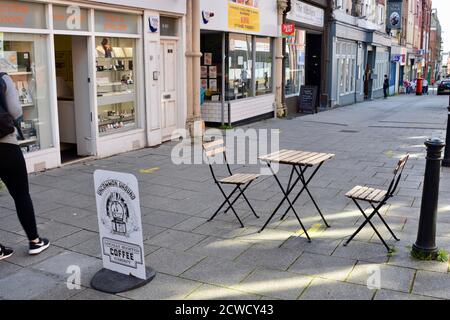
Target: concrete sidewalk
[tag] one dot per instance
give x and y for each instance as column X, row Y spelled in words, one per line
column 196, row 259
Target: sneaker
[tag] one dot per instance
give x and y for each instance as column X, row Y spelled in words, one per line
column 36, row 248
column 5, row 252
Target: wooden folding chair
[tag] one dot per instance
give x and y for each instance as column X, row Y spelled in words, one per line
column 241, row 181
column 377, row 198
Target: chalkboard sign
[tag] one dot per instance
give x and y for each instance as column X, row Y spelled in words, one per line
column 307, row 101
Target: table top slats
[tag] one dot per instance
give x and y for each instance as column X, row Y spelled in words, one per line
column 272, row 156
column 287, row 155
column 297, row 157
column 324, row 157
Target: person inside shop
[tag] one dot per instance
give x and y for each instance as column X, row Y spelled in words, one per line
column 13, row 170
column 107, row 48
column 386, row 86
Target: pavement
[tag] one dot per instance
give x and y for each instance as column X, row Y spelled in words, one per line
column 196, row 259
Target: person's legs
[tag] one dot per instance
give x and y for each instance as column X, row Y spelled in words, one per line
column 14, row 174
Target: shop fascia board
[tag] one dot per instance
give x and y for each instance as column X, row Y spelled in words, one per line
column 350, row 32
column 378, row 38
column 175, row 6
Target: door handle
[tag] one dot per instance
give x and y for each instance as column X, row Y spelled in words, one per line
column 167, row 96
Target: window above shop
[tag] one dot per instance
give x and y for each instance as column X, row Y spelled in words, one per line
column 169, row 27
column 115, row 22
column 20, row 14
column 70, row 18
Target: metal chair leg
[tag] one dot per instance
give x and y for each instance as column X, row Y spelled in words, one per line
column 385, row 223
column 227, row 198
column 246, row 200
column 229, row 203
column 367, row 220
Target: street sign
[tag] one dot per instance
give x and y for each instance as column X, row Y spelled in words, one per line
column 287, row 30
column 119, row 221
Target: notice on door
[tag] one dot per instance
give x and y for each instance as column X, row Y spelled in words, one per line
column 243, row 17
column 119, row 220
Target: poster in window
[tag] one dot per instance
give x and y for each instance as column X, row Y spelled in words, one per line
column 208, row 59
column 213, row 72
column 204, row 71
column 204, row 84
column 213, row 84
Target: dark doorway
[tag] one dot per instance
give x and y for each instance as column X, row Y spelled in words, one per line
column 313, row 60
column 368, row 76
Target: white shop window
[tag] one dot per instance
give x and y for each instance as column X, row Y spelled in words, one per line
column 346, row 67
column 25, row 59
column 381, row 69
column 116, row 94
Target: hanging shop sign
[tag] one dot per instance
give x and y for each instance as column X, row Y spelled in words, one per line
column 394, row 15
column 119, row 220
column 20, row 14
column 287, row 30
column 244, row 17
column 307, row 14
column 153, row 24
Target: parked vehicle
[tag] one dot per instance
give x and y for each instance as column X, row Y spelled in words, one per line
column 444, row 87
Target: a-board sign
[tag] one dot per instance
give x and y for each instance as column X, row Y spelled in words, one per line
column 120, row 225
column 307, row 101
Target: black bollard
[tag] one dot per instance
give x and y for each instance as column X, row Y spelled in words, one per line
column 425, row 245
column 446, row 161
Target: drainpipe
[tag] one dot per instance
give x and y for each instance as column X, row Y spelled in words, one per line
column 281, row 110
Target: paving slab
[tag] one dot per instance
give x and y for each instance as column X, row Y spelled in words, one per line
column 432, row 284
column 269, row 256
column 172, row 262
column 274, row 284
column 323, row 266
column 390, row 277
column 210, row 292
column 177, row 240
column 218, row 271
column 163, row 287
column 323, row 289
column 223, row 248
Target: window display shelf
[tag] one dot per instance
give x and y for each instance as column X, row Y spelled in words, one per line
column 28, row 141
column 24, row 73
column 24, row 105
column 115, row 98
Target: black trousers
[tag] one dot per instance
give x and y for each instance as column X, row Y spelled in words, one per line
column 385, row 91
column 13, row 173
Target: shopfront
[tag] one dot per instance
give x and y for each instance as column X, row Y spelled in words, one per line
column 92, row 77
column 304, row 52
column 238, row 60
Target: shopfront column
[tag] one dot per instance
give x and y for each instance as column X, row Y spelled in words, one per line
column 281, row 109
column 194, row 121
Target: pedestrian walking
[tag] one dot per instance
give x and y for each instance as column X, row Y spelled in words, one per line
column 386, row 86
column 13, row 171
column 425, row 86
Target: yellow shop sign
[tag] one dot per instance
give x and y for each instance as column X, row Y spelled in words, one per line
column 243, row 18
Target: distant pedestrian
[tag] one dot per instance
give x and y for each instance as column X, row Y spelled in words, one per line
column 425, row 86
column 386, row 86
column 13, row 171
